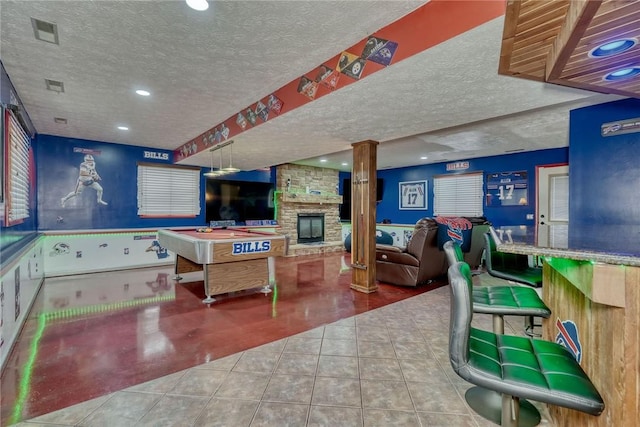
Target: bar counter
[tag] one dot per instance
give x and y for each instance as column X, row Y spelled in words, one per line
column 595, row 303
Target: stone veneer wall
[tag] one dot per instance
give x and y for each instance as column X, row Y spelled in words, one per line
column 296, row 200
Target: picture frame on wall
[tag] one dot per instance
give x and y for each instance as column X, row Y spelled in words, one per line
column 413, row 195
column 507, row 189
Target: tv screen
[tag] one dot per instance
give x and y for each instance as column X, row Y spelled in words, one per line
column 345, row 208
column 238, row 200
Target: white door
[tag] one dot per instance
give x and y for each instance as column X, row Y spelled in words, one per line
column 553, row 206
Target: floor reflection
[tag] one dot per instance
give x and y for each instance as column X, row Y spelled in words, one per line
column 90, row 335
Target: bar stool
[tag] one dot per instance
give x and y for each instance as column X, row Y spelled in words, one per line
column 500, row 301
column 516, row 368
column 515, row 268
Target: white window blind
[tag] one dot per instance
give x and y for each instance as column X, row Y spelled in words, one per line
column 168, row 190
column 18, row 172
column 458, row 195
column 559, row 188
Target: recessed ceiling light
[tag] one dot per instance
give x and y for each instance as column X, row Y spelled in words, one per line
column 423, row 158
column 142, row 92
column 612, row 48
column 198, row 5
column 123, row 128
column 345, row 164
column 623, row 74
column 323, row 160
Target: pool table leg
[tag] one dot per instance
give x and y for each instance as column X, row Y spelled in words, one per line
column 209, row 299
column 271, row 276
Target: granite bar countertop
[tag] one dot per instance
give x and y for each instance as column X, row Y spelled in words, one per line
column 581, row 255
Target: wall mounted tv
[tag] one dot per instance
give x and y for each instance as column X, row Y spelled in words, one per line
column 238, row 200
column 345, row 208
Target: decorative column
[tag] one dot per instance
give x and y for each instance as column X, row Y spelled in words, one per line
column 363, row 216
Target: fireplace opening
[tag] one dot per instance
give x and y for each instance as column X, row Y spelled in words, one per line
column 310, row 227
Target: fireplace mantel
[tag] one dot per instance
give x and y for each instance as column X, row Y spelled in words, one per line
column 311, row 198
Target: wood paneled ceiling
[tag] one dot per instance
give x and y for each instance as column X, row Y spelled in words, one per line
column 550, row 41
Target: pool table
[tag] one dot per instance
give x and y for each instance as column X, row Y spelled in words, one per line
column 232, row 259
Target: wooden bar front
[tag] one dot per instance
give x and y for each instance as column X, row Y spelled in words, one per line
column 603, row 300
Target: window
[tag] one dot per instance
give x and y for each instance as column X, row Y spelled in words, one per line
column 458, row 195
column 168, row 190
column 17, row 146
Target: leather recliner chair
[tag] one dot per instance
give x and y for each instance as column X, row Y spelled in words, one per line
column 419, row 262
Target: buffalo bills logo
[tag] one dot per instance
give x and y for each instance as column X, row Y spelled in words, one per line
column 568, row 337
column 456, row 228
column 242, row 248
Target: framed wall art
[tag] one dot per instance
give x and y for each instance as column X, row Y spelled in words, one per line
column 413, row 195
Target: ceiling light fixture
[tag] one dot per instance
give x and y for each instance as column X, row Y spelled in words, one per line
column 123, row 128
column 199, row 5
column 211, row 172
column 230, row 168
column 143, row 92
column 623, row 74
column 613, row 48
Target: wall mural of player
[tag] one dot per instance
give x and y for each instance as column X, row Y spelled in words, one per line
column 87, row 178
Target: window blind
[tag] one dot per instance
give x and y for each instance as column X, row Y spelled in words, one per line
column 458, row 195
column 18, row 171
column 168, row 190
column 559, row 189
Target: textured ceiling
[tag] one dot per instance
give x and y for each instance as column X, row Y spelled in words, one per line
column 447, row 102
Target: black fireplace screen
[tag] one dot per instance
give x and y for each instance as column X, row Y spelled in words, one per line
column 310, row 228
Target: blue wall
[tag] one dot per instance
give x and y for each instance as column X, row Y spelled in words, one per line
column 58, row 161
column 499, row 216
column 604, row 179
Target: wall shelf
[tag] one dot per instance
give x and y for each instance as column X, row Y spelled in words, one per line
column 320, row 199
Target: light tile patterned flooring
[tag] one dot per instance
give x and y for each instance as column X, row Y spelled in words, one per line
column 385, row 367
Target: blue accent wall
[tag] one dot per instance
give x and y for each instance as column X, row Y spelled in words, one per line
column 604, row 179
column 58, row 161
column 498, row 215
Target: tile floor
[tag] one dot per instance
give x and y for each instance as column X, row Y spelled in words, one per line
column 384, row 366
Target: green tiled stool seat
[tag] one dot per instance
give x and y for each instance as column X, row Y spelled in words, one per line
column 517, row 367
column 501, row 301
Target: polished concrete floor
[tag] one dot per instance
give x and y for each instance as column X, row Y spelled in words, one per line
column 135, row 348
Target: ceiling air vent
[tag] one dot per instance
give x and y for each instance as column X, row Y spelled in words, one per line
column 54, row 85
column 45, row 31
column 60, row 120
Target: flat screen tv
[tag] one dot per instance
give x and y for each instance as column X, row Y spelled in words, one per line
column 345, row 208
column 238, row 200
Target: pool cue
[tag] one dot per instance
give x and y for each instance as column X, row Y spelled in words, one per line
column 360, row 181
column 360, row 261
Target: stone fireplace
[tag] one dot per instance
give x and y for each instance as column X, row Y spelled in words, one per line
column 303, row 192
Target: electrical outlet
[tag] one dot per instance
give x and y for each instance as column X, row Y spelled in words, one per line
column 529, row 216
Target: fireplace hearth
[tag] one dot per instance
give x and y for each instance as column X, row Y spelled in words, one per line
column 310, row 227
